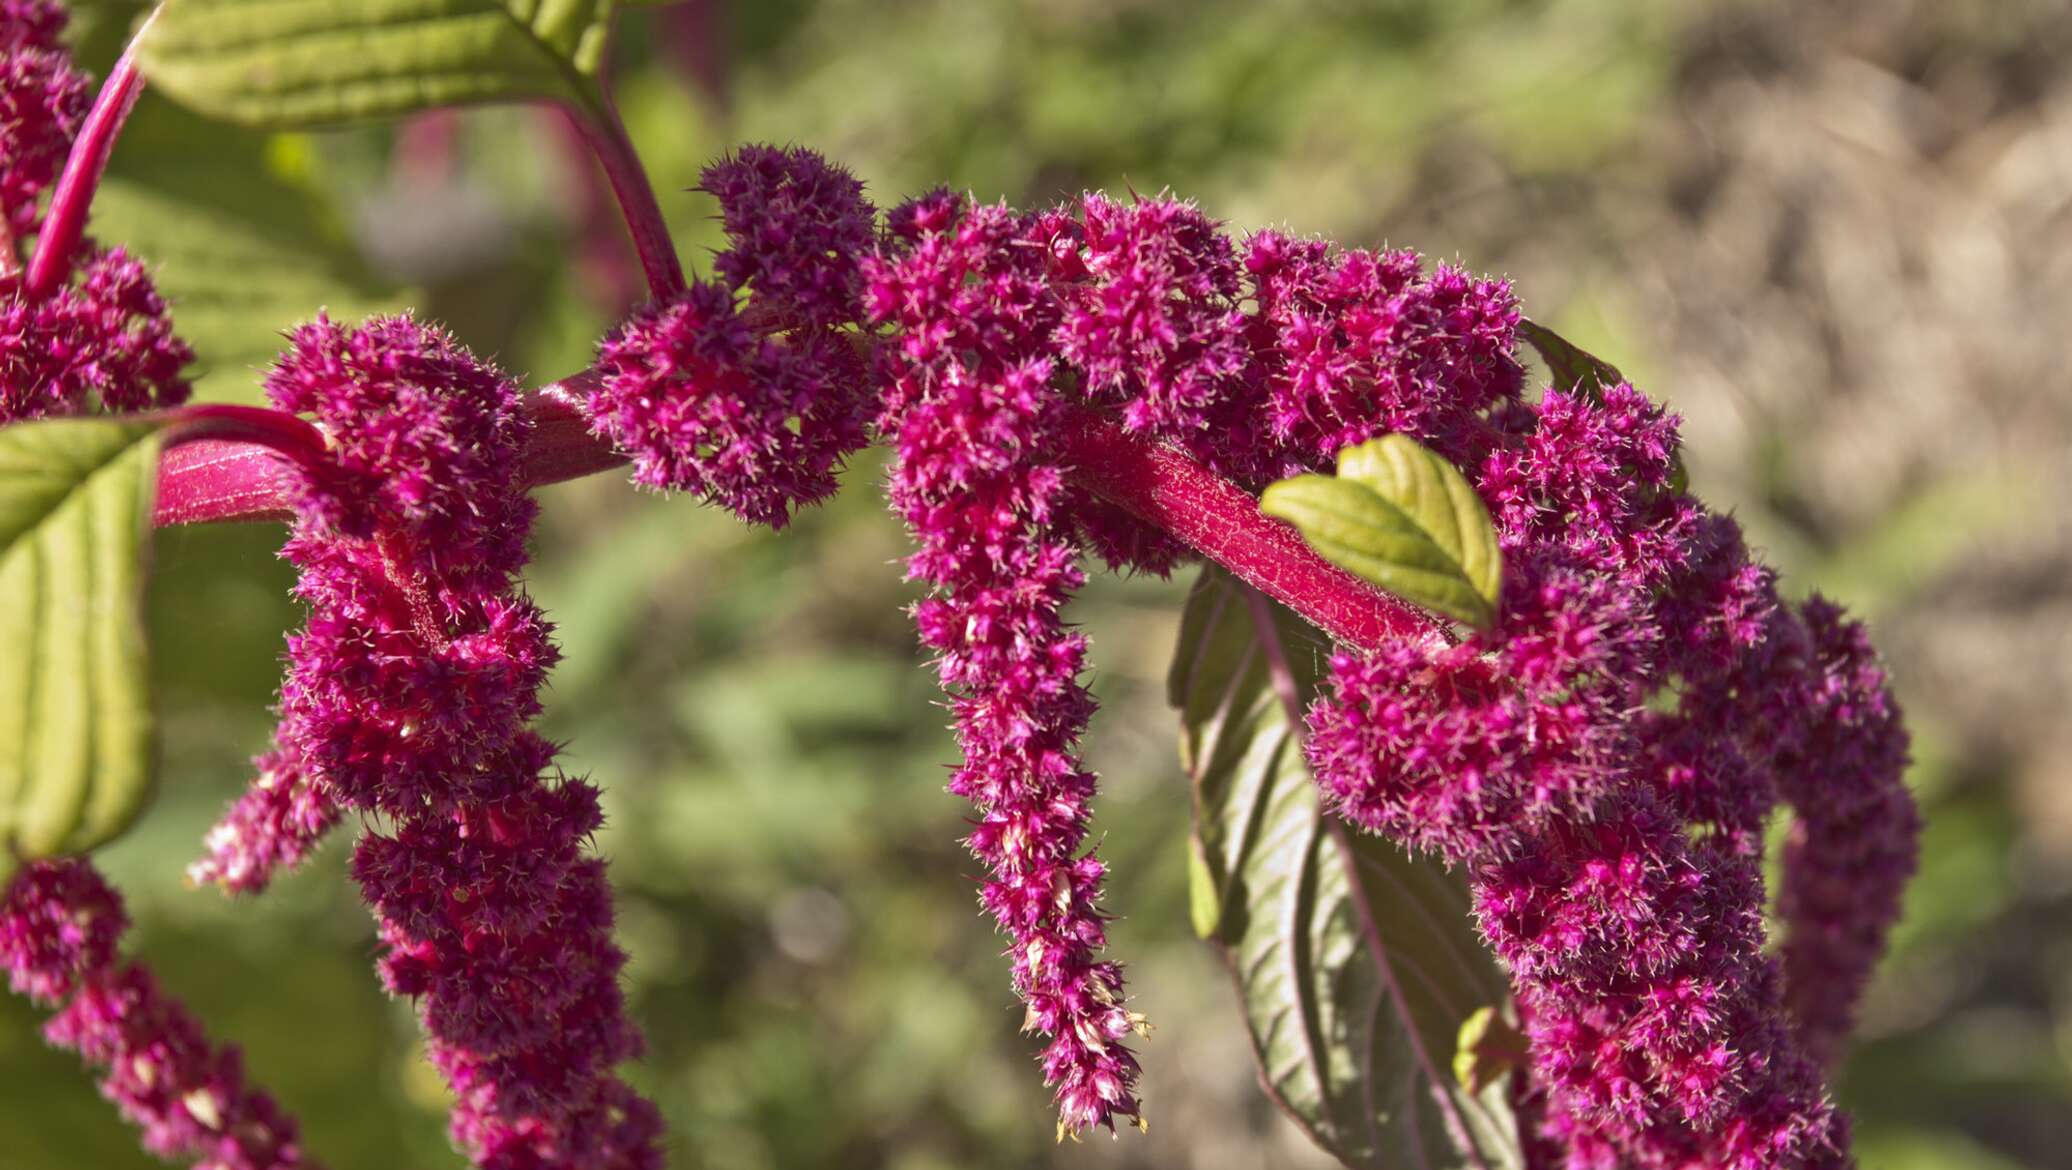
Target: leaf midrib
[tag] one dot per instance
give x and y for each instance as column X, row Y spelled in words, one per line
column 1283, row 682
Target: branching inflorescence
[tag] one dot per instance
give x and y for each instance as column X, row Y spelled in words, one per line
column 100, row 341
column 1603, row 760
column 407, row 700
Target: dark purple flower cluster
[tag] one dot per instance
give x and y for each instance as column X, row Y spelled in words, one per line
column 42, row 101
column 408, row 699
column 798, row 228
column 751, row 404
column 1837, row 749
column 974, row 420
column 1604, row 762
column 61, row 927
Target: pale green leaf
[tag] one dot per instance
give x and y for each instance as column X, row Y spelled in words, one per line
column 1357, row 966
column 76, row 725
column 1401, row 516
column 297, row 63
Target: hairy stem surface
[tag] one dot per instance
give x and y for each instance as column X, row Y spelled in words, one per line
column 223, row 474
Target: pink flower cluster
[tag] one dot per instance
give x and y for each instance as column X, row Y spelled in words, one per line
column 42, row 101
column 1002, row 324
column 973, row 417
column 60, row 929
column 103, row 338
column 751, row 404
column 1604, row 762
column 1358, row 344
column 408, row 698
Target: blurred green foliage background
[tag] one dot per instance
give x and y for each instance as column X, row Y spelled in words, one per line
column 1837, row 237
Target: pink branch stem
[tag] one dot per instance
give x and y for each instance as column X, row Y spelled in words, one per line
column 223, row 463
column 607, row 137
column 65, row 223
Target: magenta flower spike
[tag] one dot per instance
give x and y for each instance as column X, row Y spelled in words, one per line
column 976, row 423
column 408, row 699
column 61, row 926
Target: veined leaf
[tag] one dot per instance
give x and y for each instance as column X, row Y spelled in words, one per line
column 296, row 63
column 234, row 283
column 1357, row 966
column 77, row 735
column 1401, row 516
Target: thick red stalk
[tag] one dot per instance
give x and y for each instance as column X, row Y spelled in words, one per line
column 65, row 222
column 1222, row 521
column 223, row 462
column 217, row 472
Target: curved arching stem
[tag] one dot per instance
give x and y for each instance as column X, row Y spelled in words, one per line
column 65, row 223
column 606, row 134
column 223, row 463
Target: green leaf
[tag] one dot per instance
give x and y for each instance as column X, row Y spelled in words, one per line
column 1357, row 966
column 1572, row 367
column 1401, row 516
column 77, row 736
column 299, row 63
column 1575, row 369
column 1488, row 1048
column 241, row 239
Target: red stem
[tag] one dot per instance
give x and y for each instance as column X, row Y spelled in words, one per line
column 605, row 256
column 223, row 463
column 607, row 137
column 1222, row 521
column 65, row 222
